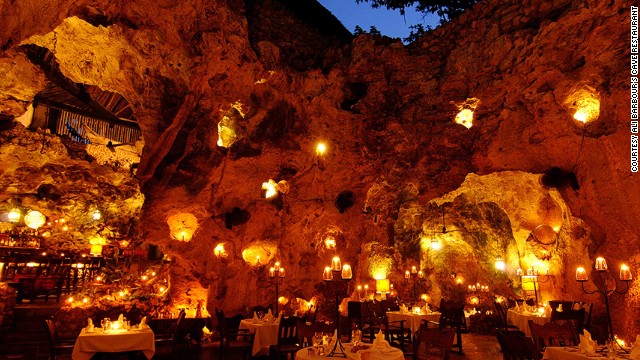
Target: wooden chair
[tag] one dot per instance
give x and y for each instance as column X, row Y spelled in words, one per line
column 311, row 314
column 516, row 346
column 588, row 307
column 566, row 304
column 233, row 339
column 357, row 319
column 55, row 345
column 501, row 309
column 432, row 344
column 552, row 334
column 452, row 317
column 395, row 332
column 287, row 339
column 576, row 316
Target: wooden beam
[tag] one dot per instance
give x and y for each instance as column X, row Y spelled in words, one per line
column 53, row 73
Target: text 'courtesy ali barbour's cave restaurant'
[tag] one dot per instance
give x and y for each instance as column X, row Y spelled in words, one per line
column 248, row 179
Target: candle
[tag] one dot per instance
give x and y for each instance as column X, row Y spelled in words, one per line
column 581, row 274
column 346, row 272
column 258, row 260
column 420, row 274
column 601, row 264
column 625, row 273
column 359, row 288
column 281, row 272
column 530, row 272
column 407, row 274
column 327, row 275
column 272, row 272
column 519, row 272
column 335, row 264
column 414, row 270
column 276, row 266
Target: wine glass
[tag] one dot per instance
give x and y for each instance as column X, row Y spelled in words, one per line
column 356, row 336
column 102, row 324
column 611, row 346
column 260, row 314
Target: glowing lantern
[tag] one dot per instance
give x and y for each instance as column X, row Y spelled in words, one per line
column 97, row 215
column 96, row 249
column 500, row 264
column 436, row 245
column 219, row 251
column 465, row 114
column 269, row 189
column 330, row 243
column 321, row 148
column 383, row 286
column 14, row 215
column 34, row 219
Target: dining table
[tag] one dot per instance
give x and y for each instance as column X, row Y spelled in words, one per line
column 89, row 343
column 391, row 353
column 572, row 353
column 521, row 320
column 413, row 320
column 265, row 334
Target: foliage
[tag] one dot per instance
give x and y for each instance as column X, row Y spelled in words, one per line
column 445, row 9
column 372, row 31
column 416, row 33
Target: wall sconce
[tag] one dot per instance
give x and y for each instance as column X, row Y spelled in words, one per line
column 96, row 215
column 466, row 110
column 271, row 189
column 14, row 215
column 321, row 148
column 220, row 252
column 500, row 264
column 35, row 219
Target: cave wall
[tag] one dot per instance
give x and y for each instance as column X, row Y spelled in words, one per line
column 385, row 111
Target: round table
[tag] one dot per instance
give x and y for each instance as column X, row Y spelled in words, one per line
column 370, row 354
column 522, row 320
column 412, row 320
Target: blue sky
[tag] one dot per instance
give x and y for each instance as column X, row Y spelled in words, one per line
column 390, row 23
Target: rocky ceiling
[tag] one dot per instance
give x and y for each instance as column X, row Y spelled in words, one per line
column 267, row 84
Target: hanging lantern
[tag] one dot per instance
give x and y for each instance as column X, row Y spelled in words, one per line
column 35, row 219
column 14, row 215
column 500, row 264
column 97, row 215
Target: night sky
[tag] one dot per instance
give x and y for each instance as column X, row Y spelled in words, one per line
column 390, row 23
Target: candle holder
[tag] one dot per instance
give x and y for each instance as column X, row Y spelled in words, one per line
column 417, row 276
column 602, row 270
column 534, row 278
column 276, row 273
column 340, row 279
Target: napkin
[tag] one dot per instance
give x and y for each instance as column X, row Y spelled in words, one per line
column 517, row 308
column 403, row 308
column 143, row 323
column 587, row 346
column 255, row 317
column 635, row 352
column 268, row 317
column 576, row 306
column 90, row 326
column 559, row 309
column 379, row 342
column 280, row 315
column 206, row 331
column 121, row 318
column 425, row 309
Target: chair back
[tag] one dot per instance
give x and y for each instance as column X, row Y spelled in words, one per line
column 390, row 305
column 182, row 328
column 577, row 316
column 288, row 331
column 451, row 314
column 310, row 316
column 516, row 346
column 552, row 334
column 588, row 307
column 502, row 315
column 52, row 336
column 260, row 308
column 566, row 305
column 376, row 312
column 432, row 344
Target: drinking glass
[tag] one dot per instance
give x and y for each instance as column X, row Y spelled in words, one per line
column 611, row 346
column 260, row 314
column 102, row 324
column 356, row 336
column 317, row 339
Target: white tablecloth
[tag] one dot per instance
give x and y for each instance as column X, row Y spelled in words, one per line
column 411, row 320
column 565, row 353
column 87, row 344
column 265, row 335
column 522, row 320
column 372, row 354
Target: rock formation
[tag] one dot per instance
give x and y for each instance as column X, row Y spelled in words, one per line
column 231, row 94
